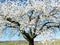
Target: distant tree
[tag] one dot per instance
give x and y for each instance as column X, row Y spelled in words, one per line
column 31, row 17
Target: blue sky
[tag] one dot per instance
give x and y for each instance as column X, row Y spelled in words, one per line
column 8, row 36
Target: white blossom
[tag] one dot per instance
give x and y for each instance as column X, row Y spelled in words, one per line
column 19, row 14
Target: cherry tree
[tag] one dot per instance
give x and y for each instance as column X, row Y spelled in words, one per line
column 31, row 17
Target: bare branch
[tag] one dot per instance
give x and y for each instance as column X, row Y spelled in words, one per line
column 54, row 11
column 30, row 15
column 45, row 25
column 36, row 23
column 10, row 20
column 58, row 26
column 31, row 33
column 26, row 35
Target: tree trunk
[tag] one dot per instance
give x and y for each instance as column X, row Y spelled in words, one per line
column 31, row 42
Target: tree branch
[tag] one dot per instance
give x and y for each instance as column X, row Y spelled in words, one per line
column 10, row 20
column 58, row 26
column 45, row 25
column 30, row 15
column 50, row 26
column 36, row 23
column 26, row 35
column 54, row 11
column 31, row 33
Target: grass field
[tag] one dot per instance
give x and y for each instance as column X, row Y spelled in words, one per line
column 57, row 42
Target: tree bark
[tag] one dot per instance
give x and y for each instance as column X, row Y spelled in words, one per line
column 31, row 42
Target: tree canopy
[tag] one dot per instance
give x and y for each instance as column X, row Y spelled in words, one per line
column 31, row 17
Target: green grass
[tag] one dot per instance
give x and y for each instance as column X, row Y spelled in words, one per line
column 57, row 42
column 23, row 44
